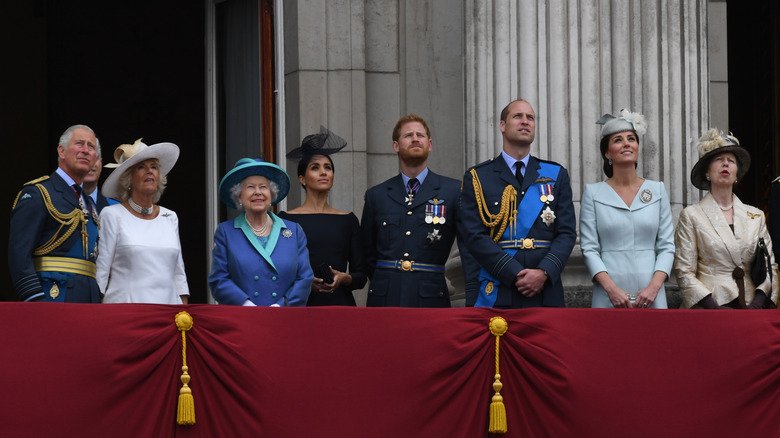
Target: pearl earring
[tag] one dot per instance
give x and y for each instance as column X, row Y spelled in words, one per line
column 708, row 177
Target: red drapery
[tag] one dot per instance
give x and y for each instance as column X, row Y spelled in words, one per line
column 113, row 370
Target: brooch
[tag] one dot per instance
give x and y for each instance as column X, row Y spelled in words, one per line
column 548, row 216
column 434, row 236
column 286, row 233
column 753, row 215
column 646, row 196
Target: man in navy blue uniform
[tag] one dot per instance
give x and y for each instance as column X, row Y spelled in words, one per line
column 54, row 228
column 518, row 221
column 409, row 224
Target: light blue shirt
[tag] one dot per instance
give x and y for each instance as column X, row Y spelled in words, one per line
column 420, row 177
column 512, row 163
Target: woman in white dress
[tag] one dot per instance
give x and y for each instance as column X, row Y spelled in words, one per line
column 139, row 252
column 626, row 230
column 716, row 239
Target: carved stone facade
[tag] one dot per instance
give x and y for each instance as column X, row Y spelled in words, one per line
column 356, row 66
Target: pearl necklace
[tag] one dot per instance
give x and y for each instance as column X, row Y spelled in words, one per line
column 263, row 231
column 138, row 209
column 726, row 208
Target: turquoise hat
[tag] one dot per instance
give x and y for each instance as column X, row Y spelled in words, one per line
column 246, row 167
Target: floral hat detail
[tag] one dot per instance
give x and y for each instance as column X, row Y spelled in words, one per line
column 246, row 167
column 128, row 155
column 624, row 121
column 712, row 143
column 324, row 143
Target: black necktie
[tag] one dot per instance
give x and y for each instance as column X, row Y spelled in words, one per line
column 519, row 172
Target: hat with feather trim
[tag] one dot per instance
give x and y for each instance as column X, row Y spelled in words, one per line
column 128, row 155
column 624, row 121
column 711, row 144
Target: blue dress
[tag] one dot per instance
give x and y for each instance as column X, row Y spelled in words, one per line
column 629, row 243
column 275, row 272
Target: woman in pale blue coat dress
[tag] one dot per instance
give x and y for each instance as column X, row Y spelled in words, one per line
column 626, row 231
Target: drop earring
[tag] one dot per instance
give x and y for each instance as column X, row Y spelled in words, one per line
column 609, row 160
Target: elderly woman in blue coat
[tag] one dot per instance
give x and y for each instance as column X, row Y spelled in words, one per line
column 626, row 230
column 259, row 259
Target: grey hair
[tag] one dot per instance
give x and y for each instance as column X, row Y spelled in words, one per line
column 68, row 134
column 125, row 183
column 235, row 192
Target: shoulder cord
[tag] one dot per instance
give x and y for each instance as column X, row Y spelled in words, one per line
column 507, row 213
column 71, row 219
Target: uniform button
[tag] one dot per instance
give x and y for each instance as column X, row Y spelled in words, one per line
column 408, row 213
column 441, row 294
column 257, row 277
column 257, row 294
column 384, row 224
column 273, row 278
column 273, row 294
column 406, row 254
column 495, row 203
column 370, row 291
column 408, row 233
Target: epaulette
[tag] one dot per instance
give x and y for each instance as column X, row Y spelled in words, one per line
column 548, row 162
column 484, row 163
column 36, row 181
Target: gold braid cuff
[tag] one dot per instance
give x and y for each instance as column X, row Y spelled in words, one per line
column 507, row 214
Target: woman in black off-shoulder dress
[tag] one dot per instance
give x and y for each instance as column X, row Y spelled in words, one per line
column 335, row 252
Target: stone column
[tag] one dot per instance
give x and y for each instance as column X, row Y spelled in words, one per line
column 575, row 61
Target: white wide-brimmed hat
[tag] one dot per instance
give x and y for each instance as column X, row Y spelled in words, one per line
column 128, row 155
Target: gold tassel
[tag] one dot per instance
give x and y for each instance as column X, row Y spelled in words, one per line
column 185, row 415
column 498, row 326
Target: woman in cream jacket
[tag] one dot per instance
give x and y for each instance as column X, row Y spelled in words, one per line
column 716, row 239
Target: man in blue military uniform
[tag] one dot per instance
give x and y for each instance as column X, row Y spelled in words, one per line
column 518, row 221
column 409, row 224
column 54, row 228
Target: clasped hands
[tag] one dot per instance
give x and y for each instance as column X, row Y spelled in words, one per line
column 530, row 282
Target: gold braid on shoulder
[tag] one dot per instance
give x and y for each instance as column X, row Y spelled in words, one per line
column 506, row 215
column 71, row 220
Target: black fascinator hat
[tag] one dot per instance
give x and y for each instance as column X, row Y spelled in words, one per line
column 324, row 143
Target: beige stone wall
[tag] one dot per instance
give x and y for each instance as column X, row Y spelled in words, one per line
column 356, row 66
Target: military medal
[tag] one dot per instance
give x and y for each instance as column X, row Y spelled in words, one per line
column 546, row 193
column 435, row 211
column 646, row 196
column 434, row 236
column 54, row 292
column 548, row 216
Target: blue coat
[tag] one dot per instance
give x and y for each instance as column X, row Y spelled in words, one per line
column 494, row 175
column 242, row 268
column 393, row 230
column 32, row 226
column 629, row 243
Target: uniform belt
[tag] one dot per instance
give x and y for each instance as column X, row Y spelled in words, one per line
column 65, row 264
column 408, row 265
column 524, row 244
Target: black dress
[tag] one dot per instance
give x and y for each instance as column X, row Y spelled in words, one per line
column 333, row 239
